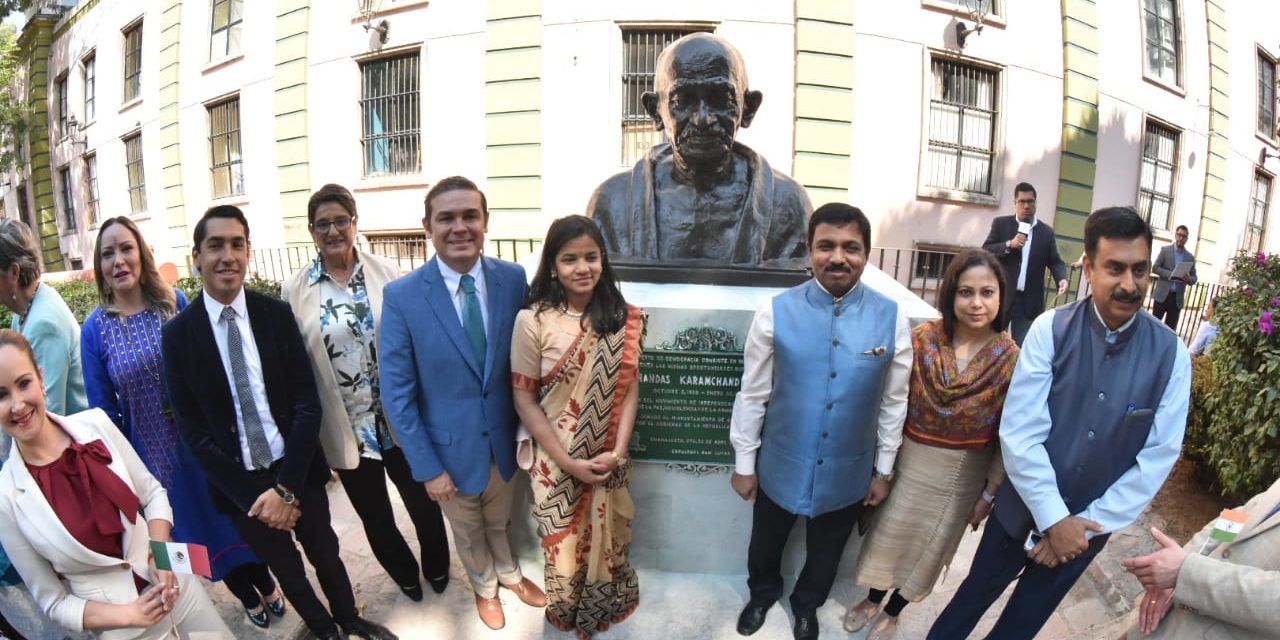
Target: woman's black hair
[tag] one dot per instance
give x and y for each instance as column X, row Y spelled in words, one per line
column 607, row 309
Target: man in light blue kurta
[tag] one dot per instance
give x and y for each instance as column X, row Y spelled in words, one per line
column 1092, row 425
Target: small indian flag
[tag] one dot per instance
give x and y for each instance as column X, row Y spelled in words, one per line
column 1229, row 525
column 180, row 557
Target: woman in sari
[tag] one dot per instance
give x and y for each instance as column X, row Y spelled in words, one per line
column 949, row 467
column 574, row 362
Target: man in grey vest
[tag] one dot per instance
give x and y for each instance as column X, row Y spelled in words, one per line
column 1092, row 425
column 817, row 424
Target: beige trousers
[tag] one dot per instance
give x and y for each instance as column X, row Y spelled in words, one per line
column 479, row 524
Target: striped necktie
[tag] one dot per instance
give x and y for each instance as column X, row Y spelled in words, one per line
column 254, row 435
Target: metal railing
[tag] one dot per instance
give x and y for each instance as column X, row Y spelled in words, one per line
column 919, row 270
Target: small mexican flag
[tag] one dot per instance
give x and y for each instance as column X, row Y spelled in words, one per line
column 1229, row 525
column 180, row 557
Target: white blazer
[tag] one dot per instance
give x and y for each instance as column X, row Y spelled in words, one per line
column 62, row 574
column 336, row 435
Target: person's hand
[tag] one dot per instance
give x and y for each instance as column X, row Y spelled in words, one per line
column 878, row 491
column 147, row 608
column 745, row 485
column 166, row 582
column 272, row 511
column 1155, row 606
column 1062, row 286
column 1042, row 554
column 1158, row 570
column 440, row 488
column 1016, row 243
column 606, row 460
column 979, row 512
column 1067, row 537
column 589, row 471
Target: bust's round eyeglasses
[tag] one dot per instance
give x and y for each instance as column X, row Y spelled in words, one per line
column 341, row 224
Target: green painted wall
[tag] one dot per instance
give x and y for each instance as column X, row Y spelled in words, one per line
column 293, row 171
column 1079, row 124
column 170, row 153
column 1215, row 172
column 823, row 138
column 513, row 110
column 34, row 42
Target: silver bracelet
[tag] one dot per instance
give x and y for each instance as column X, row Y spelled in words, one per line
column 989, row 497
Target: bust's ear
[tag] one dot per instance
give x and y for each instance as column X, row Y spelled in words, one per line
column 650, row 101
column 751, row 103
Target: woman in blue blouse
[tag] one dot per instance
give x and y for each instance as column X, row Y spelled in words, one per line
column 120, row 343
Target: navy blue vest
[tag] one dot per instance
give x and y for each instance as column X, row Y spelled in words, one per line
column 829, row 362
column 1102, row 404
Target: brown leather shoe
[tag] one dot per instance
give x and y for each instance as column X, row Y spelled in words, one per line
column 528, row 592
column 490, row 610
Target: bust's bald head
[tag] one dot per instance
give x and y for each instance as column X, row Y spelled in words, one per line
column 700, row 99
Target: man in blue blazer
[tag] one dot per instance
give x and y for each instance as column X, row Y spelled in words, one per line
column 445, row 365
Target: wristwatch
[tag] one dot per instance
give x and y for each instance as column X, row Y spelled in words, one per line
column 286, row 495
column 887, row 477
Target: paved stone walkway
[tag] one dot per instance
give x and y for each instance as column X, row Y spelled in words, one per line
column 684, row 606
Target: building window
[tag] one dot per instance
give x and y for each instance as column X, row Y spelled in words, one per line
column 133, row 62
column 90, row 87
column 224, row 34
column 224, row 149
column 91, row 187
column 931, row 261
column 133, row 167
column 68, row 204
column 640, row 49
column 962, row 127
column 24, row 211
column 389, row 105
column 1255, row 227
column 1155, row 183
column 60, row 86
column 1266, row 95
column 984, row 7
column 1160, row 18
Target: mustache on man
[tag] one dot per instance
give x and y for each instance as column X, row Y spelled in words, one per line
column 1120, row 296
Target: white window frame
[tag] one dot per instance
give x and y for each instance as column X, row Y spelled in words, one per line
column 1178, row 43
column 1271, row 133
column 1250, row 219
column 89, row 77
column 90, row 163
column 125, row 76
column 232, row 140
column 1176, row 174
column 639, row 126
column 137, row 192
column 923, row 188
column 66, row 194
column 414, row 133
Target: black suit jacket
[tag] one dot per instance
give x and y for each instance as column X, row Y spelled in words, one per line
column 1043, row 254
column 200, row 394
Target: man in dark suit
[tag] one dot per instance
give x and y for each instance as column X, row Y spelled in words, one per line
column 1025, row 247
column 253, row 424
column 1170, row 292
column 445, row 366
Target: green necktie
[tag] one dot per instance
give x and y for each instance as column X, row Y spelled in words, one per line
column 473, row 320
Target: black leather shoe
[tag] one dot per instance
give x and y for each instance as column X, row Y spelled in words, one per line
column 332, row 635
column 806, row 626
column 413, row 593
column 438, row 584
column 362, row 628
column 752, row 617
column 258, row 619
column 276, row 607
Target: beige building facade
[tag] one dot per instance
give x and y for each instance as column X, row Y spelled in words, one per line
column 158, row 109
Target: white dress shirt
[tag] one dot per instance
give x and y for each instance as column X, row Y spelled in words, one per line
column 1025, row 426
column 1026, row 255
column 253, row 363
column 751, row 403
column 453, row 282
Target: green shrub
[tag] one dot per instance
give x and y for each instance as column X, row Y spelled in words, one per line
column 1196, row 443
column 1243, row 448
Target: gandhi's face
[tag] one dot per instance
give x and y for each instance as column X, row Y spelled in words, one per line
column 700, row 101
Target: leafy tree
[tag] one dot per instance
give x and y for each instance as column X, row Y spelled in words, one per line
column 13, row 111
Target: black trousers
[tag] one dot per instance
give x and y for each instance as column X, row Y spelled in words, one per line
column 998, row 562
column 825, row 538
column 320, row 543
column 1019, row 319
column 366, row 485
column 250, row 583
column 1167, row 310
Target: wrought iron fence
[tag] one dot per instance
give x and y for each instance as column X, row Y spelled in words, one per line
column 919, row 270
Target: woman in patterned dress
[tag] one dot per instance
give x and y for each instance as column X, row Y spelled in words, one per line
column 337, row 300
column 574, row 363
column 949, row 467
column 120, row 349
